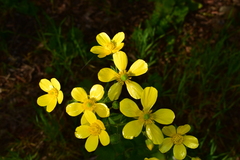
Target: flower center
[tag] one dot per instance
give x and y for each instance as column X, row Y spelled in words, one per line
column 124, row 77
column 146, row 117
column 95, row 129
column 89, row 104
column 177, row 139
column 111, row 46
column 53, row 92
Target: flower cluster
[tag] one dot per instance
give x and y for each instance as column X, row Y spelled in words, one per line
column 92, row 108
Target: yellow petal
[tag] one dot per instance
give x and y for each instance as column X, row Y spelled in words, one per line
column 183, row 129
column 90, row 116
column 60, row 97
column 45, row 85
column 102, row 110
column 103, row 39
column 74, row 109
column 84, row 121
column 164, row 116
column 118, row 47
column 169, row 130
column 139, row 67
column 134, row 89
column 55, row 83
column 129, row 108
column 149, row 97
column 120, row 60
column 119, row 37
column 51, row 105
column 82, row 131
column 97, row 92
column 107, row 75
column 132, row 129
column 44, row 100
column 190, row 141
column 104, row 138
column 79, row 94
column 115, row 91
column 91, row 143
column 154, row 133
column 179, row 151
column 103, row 52
column 166, row 145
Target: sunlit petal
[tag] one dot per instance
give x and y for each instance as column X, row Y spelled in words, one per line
column 118, row 47
column 90, row 116
column 164, row 116
column 120, row 60
column 104, row 138
column 115, row 91
column 183, row 129
column 44, row 100
column 51, row 105
column 166, row 145
column 91, row 143
column 74, row 109
column 84, row 121
column 60, row 97
column 82, row 131
column 132, row 129
column 190, row 141
column 102, row 110
column 55, row 83
column 139, row 67
column 119, row 37
column 103, row 39
column 129, row 108
column 79, row 94
column 169, row 130
column 154, row 133
column 149, row 97
column 179, row 151
column 106, row 75
column 134, row 89
column 45, row 85
column 103, row 52
column 97, row 92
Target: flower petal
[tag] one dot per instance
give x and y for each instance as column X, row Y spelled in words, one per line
column 104, row 138
column 51, row 105
column 102, row 110
column 118, row 47
column 154, row 133
column 169, row 130
column 103, row 39
column 119, row 37
column 166, row 145
column 132, row 129
column 183, row 129
column 55, row 83
column 97, row 92
column 44, row 100
column 190, row 141
column 120, row 60
column 129, row 108
column 164, row 116
column 139, row 67
column 134, row 89
column 84, row 121
column 79, row 94
column 82, row 131
column 107, row 75
column 103, row 52
column 60, row 97
column 74, row 109
column 91, row 143
column 179, row 151
column 90, row 116
column 45, row 85
column 149, row 98
column 115, row 91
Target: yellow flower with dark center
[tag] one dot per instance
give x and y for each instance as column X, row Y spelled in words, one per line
column 54, row 94
column 122, row 77
column 108, row 46
column 145, row 117
column 94, row 131
column 88, row 103
column 179, row 140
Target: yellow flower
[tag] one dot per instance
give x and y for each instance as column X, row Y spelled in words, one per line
column 149, row 144
column 145, row 117
column 153, row 158
column 179, row 140
column 94, row 130
column 139, row 67
column 86, row 102
column 54, row 94
column 108, row 46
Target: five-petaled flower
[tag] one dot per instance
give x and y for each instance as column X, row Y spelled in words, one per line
column 108, row 46
column 94, row 130
column 86, row 102
column 54, row 94
column 179, row 140
column 139, row 67
column 145, row 117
